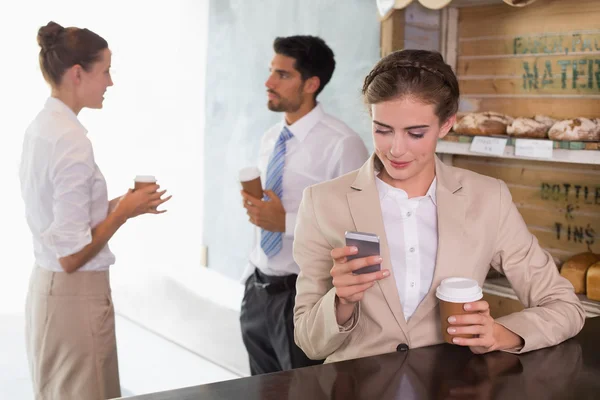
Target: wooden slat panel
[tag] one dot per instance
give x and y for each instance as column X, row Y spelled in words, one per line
column 392, row 33
column 524, row 85
column 537, row 216
column 515, row 66
column 531, row 173
column 541, row 16
column 554, row 107
column 575, row 244
column 557, row 202
column 577, row 40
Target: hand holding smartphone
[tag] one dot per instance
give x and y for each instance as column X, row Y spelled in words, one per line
column 367, row 245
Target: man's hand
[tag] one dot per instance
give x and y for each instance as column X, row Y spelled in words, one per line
column 268, row 215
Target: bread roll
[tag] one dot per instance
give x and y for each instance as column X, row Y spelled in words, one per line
column 575, row 129
column 593, row 282
column 485, row 124
column 528, row 128
column 575, row 268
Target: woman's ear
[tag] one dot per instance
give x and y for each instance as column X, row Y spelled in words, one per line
column 75, row 73
column 445, row 128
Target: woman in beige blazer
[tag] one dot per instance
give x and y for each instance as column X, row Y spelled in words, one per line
column 434, row 221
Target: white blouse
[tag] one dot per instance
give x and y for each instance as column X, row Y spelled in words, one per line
column 63, row 189
column 412, row 235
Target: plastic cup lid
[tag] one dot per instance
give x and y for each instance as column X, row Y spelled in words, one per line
column 145, row 178
column 249, row 173
column 459, row 290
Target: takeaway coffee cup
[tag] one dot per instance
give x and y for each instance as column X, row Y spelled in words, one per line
column 453, row 293
column 250, row 180
column 141, row 181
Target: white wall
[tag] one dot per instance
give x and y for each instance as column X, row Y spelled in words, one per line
column 152, row 123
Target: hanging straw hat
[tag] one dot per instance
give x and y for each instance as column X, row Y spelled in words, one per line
column 519, row 3
column 435, row 4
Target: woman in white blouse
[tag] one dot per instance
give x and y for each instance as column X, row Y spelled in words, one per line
column 70, row 328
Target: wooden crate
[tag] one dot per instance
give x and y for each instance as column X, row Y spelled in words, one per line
column 539, row 59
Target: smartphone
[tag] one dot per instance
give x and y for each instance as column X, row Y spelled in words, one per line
column 367, row 245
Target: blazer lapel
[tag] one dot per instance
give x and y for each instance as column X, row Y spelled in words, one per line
column 366, row 212
column 451, row 205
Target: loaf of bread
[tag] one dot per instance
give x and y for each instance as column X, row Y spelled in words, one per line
column 593, row 282
column 545, row 120
column 485, row 124
column 527, row 128
column 575, row 129
column 575, row 269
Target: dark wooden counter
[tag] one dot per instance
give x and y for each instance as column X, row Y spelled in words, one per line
column 570, row 370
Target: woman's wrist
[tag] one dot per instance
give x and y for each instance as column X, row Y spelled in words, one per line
column 343, row 311
column 507, row 339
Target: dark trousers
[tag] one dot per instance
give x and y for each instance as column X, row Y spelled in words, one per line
column 267, row 322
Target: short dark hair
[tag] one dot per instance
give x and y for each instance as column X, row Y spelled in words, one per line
column 61, row 48
column 313, row 57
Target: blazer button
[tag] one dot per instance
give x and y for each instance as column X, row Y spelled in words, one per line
column 402, row 347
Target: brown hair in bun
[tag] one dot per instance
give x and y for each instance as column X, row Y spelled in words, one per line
column 61, row 48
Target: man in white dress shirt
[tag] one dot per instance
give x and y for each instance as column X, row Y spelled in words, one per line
column 307, row 147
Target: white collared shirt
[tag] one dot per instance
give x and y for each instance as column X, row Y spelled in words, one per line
column 321, row 149
column 64, row 192
column 412, row 235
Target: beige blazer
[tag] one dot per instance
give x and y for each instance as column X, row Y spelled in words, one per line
column 478, row 227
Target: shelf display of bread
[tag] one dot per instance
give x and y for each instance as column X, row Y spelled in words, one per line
column 538, row 127
column 576, row 270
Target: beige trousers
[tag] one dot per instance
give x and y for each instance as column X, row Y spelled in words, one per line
column 70, row 333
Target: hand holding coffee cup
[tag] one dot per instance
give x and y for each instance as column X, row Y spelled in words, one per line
column 144, row 198
column 466, row 319
column 454, row 294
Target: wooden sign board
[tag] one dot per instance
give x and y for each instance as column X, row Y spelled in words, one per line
column 540, row 59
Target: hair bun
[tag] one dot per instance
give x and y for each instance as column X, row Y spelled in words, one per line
column 48, row 34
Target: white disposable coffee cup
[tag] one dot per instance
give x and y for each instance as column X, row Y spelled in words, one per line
column 453, row 293
column 141, row 181
column 249, row 173
column 250, row 180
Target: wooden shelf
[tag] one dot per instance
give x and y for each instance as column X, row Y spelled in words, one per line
column 501, row 287
column 558, row 155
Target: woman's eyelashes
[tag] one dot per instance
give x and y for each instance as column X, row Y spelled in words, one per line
column 413, row 135
column 416, row 135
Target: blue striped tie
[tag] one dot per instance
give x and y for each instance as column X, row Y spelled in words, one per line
column 271, row 242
